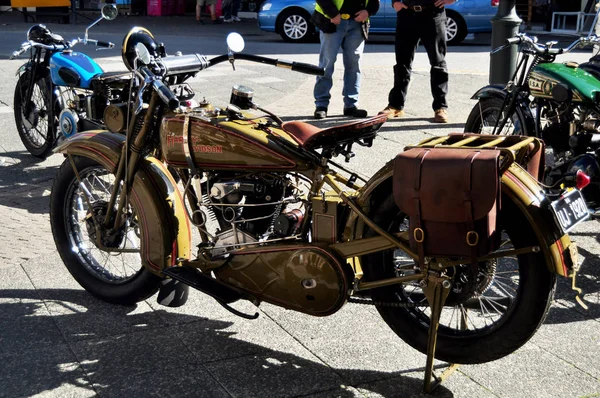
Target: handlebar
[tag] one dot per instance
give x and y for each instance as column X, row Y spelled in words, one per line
column 59, row 47
column 280, row 63
column 546, row 49
column 193, row 63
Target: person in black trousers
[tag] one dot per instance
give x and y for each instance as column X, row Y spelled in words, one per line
column 423, row 20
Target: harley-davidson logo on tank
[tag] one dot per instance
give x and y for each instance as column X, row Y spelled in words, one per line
column 219, row 144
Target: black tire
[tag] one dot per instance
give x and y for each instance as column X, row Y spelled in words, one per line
column 495, row 331
column 113, row 277
column 294, row 26
column 34, row 128
column 456, row 28
column 486, row 112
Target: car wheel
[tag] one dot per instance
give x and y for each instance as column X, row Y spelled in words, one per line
column 295, row 26
column 456, row 28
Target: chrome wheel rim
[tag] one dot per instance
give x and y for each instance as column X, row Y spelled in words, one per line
column 451, row 29
column 295, row 27
column 109, row 266
column 492, row 296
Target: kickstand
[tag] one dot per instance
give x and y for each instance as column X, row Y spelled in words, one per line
column 436, row 292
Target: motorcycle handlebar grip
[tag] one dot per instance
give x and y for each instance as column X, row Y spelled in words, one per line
column 166, row 94
column 513, row 40
column 300, row 67
column 106, row 44
column 307, row 68
column 189, row 63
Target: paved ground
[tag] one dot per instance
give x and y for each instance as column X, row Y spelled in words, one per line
column 56, row 340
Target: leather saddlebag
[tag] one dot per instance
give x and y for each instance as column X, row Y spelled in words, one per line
column 452, row 196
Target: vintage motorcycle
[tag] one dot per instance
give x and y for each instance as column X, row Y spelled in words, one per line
column 278, row 220
column 59, row 91
column 558, row 102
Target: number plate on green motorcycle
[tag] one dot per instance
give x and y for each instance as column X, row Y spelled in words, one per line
column 570, row 209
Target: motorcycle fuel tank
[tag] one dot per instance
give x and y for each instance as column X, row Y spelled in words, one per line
column 217, row 143
column 73, row 69
column 544, row 77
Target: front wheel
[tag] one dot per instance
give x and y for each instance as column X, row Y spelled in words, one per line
column 32, row 114
column 487, row 315
column 295, row 26
column 487, row 117
column 78, row 205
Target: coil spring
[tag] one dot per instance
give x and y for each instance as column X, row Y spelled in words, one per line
column 534, row 63
column 209, row 209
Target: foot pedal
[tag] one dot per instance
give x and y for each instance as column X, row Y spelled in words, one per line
column 204, row 283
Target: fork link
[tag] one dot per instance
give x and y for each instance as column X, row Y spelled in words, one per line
column 436, row 291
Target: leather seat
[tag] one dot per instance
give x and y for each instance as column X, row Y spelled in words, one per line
column 311, row 137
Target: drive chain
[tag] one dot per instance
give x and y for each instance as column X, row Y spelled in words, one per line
column 384, row 304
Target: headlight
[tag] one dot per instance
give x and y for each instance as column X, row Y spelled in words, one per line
column 266, row 6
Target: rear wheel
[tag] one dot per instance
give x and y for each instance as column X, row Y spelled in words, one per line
column 32, row 115
column 486, row 316
column 102, row 269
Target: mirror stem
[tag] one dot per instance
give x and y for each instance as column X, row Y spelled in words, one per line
column 89, row 27
column 231, row 59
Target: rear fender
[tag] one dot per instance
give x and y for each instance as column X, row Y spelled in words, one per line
column 520, row 187
column 167, row 234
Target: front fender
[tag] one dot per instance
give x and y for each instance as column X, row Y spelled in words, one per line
column 520, row 187
column 493, row 90
column 23, row 68
column 167, row 234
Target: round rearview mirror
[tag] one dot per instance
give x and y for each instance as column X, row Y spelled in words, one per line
column 142, row 53
column 235, row 42
column 109, row 11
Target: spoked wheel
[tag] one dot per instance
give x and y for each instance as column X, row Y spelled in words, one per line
column 32, row 115
column 487, row 315
column 486, row 118
column 104, row 260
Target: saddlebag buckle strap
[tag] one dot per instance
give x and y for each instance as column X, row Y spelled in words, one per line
column 419, row 235
column 472, row 238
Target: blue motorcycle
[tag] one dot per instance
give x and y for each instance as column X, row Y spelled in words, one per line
column 59, row 91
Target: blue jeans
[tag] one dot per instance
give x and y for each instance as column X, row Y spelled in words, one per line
column 230, row 8
column 349, row 38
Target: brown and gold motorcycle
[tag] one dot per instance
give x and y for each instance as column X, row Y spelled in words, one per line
column 454, row 241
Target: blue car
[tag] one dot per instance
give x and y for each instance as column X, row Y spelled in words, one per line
column 291, row 18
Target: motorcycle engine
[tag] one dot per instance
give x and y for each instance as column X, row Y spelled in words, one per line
column 249, row 208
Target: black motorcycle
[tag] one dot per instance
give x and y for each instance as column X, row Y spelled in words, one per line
column 558, row 102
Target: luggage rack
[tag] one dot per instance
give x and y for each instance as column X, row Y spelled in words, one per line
column 513, row 148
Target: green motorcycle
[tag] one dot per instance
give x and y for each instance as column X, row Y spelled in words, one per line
column 558, row 102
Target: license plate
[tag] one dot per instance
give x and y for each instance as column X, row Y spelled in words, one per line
column 570, row 210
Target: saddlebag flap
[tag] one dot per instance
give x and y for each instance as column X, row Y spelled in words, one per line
column 452, row 196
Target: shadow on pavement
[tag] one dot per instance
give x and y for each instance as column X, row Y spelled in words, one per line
column 160, row 360
column 24, row 184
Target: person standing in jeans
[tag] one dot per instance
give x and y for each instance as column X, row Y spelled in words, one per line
column 423, row 20
column 343, row 24
column 230, row 11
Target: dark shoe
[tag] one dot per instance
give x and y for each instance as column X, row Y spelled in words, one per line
column 217, row 21
column 355, row 112
column 320, row 112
